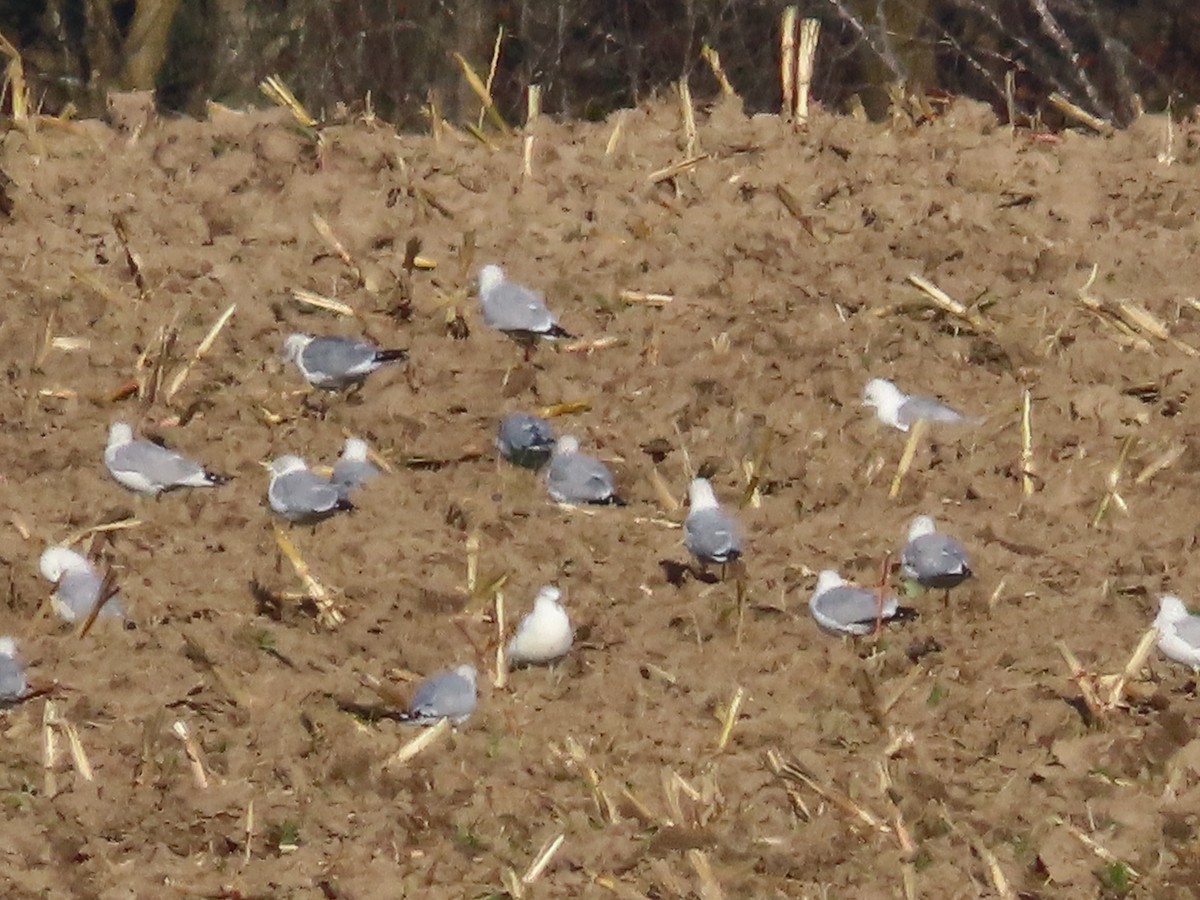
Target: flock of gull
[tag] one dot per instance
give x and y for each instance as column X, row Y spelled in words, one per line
column 711, row 534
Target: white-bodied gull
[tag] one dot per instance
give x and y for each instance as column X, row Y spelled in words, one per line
column 443, row 695
column 575, row 477
column 544, row 635
column 843, row 608
column 333, row 362
column 13, row 685
column 147, row 468
column 709, row 533
column 516, row 310
column 301, row 495
column 353, row 469
column 525, row 440
column 1178, row 631
column 902, row 411
column 932, row 559
column 77, row 586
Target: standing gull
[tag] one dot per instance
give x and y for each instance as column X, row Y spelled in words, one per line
column 525, row 440
column 575, row 477
column 933, row 559
column 843, row 608
column 77, row 586
column 544, row 634
column 1178, row 631
column 353, row 469
column 444, row 695
column 901, row 410
column 516, row 310
column 333, row 362
column 709, row 533
column 301, row 495
column 147, row 468
column 13, row 685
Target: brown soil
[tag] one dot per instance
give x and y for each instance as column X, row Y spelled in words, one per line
column 1000, row 761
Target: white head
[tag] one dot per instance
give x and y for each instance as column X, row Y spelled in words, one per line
column 284, row 464
column 58, row 561
column 566, row 445
column 547, row 596
column 884, row 397
column 490, row 277
column 466, row 671
column 921, row 526
column 294, row 345
column 700, row 494
column 119, row 433
column 1170, row 610
column 355, row 449
column 8, row 647
column 827, row 581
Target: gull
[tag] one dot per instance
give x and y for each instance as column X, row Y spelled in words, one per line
column 544, row 634
column 901, row 410
column 301, row 495
column 77, row 586
column 843, row 608
column 516, row 310
column 353, row 469
column 575, row 477
column 147, row 468
column 1178, row 631
column 525, row 440
column 333, row 362
column 443, row 695
column 933, row 559
column 13, row 686
column 709, row 533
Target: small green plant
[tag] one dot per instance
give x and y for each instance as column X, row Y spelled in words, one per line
column 1117, row 878
column 935, row 695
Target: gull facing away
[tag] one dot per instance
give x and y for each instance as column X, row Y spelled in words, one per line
column 575, row 477
column 900, row 410
column 516, row 310
column 525, row 440
column 77, row 586
column 147, row 468
column 13, row 686
column 301, row 495
column 1178, row 631
column 933, row 559
column 353, row 469
column 443, row 695
column 333, row 362
column 544, row 635
column 709, row 533
column 843, row 608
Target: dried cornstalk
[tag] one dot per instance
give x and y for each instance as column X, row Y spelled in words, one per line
column 713, row 58
column 787, row 59
column 810, row 32
column 915, row 433
column 308, row 298
column 676, row 169
column 730, row 717
column 945, row 302
column 192, row 750
column 205, row 345
column 279, row 93
column 327, row 612
column 423, row 741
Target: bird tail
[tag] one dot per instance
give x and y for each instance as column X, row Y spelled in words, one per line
column 216, row 479
column 344, row 505
column 612, row 500
column 557, row 331
column 391, row 356
column 904, row 614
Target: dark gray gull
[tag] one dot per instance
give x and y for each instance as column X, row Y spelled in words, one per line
column 516, row 310
column 13, row 685
column 1178, row 631
column 901, row 410
column 709, row 533
column 575, row 477
column 353, row 469
column 843, row 608
column 544, row 635
column 525, row 440
column 443, row 695
column 301, row 495
column 933, row 559
column 77, row 586
column 147, row 468
column 333, row 362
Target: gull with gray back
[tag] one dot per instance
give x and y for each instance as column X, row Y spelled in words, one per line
column 301, row 495
column 147, row 468
column 575, row 477
column 333, row 363
column 444, row 695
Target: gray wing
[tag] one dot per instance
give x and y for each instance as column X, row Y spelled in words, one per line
column 77, row 594
column 157, row 464
column 303, row 494
column 935, row 560
column 1189, row 630
column 13, row 685
column 579, row 478
column 446, row 695
column 851, row 608
column 929, row 409
column 339, row 357
column 525, row 439
column 514, row 307
column 349, row 474
column 711, row 536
